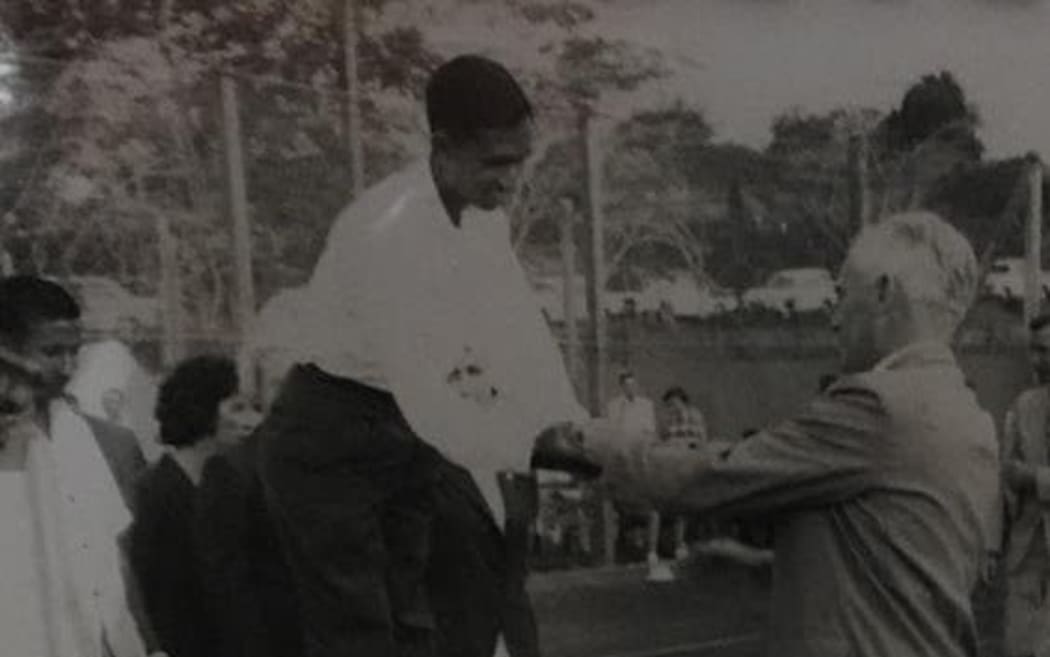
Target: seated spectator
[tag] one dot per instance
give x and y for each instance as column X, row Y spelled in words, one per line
column 685, row 421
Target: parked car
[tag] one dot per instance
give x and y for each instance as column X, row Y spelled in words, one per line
column 1005, row 279
column 549, row 293
column 683, row 296
column 799, row 290
column 108, row 306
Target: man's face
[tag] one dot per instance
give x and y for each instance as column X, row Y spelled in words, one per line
column 484, row 171
column 859, row 316
column 1039, row 355
column 54, row 346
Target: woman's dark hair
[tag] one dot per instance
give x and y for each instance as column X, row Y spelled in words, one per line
column 469, row 94
column 188, row 401
column 676, row 392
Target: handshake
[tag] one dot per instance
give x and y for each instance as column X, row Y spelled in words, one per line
column 575, row 448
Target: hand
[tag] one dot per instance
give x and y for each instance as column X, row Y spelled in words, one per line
column 560, row 447
column 1019, row 476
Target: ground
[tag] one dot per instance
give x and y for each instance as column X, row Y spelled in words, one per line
column 715, row 608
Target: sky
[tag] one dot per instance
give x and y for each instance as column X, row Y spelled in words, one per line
column 745, row 61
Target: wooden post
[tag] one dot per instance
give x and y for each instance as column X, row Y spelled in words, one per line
column 1033, row 288
column 859, row 212
column 568, row 273
column 352, row 20
column 168, row 294
column 595, row 271
column 242, row 235
column 171, row 345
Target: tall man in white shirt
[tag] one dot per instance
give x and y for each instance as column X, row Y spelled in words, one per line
column 395, row 453
column 631, row 411
column 634, row 414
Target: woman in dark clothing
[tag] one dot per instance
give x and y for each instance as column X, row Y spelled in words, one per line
column 194, row 411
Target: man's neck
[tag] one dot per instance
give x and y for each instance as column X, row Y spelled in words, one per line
column 453, row 202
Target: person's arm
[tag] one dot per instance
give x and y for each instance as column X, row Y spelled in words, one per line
column 828, row 453
column 230, row 581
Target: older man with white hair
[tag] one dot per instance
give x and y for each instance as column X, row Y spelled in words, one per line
column 885, row 487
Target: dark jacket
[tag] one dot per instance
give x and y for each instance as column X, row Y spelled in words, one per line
column 166, row 564
column 246, row 576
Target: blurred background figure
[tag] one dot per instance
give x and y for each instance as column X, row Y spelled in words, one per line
column 684, row 422
column 1026, row 473
column 111, row 384
column 278, row 324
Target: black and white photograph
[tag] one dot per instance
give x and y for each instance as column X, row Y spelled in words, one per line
column 524, row 328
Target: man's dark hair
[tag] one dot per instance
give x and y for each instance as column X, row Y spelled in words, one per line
column 471, row 93
column 676, row 392
column 26, row 301
column 1039, row 322
column 188, row 400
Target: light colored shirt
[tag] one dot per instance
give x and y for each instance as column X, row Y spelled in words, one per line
column 64, row 492
column 403, row 300
column 632, row 416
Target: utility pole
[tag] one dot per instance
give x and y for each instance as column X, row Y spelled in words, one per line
column 1033, row 288
column 568, row 272
column 352, row 24
column 242, row 234
column 859, row 211
column 596, row 350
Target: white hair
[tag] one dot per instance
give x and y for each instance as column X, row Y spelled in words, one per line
column 930, row 261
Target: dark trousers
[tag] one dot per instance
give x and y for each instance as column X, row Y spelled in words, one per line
column 392, row 548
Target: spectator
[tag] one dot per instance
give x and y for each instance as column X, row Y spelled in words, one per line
column 630, row 411
column 198, row 411
column 684, row 422
column 633, row 414
column 1026, row 478
column 71, row 478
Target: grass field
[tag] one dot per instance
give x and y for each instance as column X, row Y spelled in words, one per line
column 715, row 608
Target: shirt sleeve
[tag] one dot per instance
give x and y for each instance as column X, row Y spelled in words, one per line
column 827, row 453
